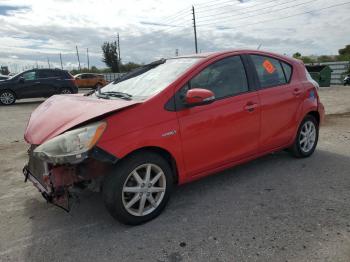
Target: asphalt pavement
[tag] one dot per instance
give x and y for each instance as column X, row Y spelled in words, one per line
column 276, row 208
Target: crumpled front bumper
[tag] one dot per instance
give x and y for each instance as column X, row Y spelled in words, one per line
column 60, row 199
column 54, row 182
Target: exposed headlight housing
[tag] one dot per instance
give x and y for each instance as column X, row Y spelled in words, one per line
column 72, row 146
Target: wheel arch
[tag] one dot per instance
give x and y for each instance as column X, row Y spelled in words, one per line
column 10, row 90
column 315, row 114
column 163, row 153
column 311, row 112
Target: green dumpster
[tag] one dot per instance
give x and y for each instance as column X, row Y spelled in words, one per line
column 321, row 74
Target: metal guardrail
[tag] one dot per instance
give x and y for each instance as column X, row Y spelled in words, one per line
column 110, row 77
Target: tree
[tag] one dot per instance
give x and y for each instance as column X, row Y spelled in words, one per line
column 345, row 51
column 297, row 55
column 307, row 59
column 110, row 56
column 344, row 54
column 325, row 58
column 129, row 66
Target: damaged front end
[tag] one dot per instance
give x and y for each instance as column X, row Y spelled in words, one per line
column 69, row 160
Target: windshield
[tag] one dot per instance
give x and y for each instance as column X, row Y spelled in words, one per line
column 152, row 81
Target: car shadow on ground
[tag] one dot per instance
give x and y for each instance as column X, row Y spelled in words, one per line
column 261, row 207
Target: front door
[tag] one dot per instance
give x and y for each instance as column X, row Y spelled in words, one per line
column 29, row 86
column 228, row 129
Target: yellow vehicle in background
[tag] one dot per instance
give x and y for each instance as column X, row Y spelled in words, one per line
column 89, row 80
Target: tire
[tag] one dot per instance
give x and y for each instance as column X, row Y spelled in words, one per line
column 122, row 188
column 306, row 139
column 66, row 91
column 7, row 98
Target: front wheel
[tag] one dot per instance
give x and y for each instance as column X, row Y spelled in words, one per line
column 138, row 189
column 306, row 139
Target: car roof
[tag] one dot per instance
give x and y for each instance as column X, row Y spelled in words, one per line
column 209, row 55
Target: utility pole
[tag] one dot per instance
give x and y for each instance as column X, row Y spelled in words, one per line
column 61, row 61
column 78, row 57
column 176, row 52
column 118, row 48
column 195, row 29
column 48, row 62
column 88, row 59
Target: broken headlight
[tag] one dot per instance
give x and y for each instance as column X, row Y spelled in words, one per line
column 71, row 146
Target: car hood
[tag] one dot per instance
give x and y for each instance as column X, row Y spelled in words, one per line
column 62, row 112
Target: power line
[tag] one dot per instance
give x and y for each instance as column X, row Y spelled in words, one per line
column 285, row 17
column 210, row 3
column 249, row 11
column 255, row 15
column 175, row 16
column 175, row 22
column 230, row 5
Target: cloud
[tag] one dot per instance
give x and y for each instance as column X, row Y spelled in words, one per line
column 156, row 28
column 7, row 10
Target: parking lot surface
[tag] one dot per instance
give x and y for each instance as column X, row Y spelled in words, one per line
column 276, row 208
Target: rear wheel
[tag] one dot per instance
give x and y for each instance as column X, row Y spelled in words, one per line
column 306, row 139
column 138, row 188
column 7, row 97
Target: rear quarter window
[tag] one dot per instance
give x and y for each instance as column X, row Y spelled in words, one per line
column 269, row 70
column 287, row 71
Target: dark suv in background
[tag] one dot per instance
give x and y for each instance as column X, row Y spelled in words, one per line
column 36, row 83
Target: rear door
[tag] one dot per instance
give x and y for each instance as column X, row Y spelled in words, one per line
column 48, row 80
column 280, row 97
column 226, row 130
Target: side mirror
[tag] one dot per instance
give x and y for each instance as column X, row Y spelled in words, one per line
column 199, row 97
column 21, row 79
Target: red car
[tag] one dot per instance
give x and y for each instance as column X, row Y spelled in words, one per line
column 169, row 123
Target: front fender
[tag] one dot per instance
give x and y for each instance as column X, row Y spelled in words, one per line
column 163, row 135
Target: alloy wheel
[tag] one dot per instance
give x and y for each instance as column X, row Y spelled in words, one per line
column 7, row 98
column 66, row 91
column 307, row 136
column 144, row 189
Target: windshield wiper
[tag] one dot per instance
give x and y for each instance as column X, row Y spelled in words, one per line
column 101, row 95
column 117, row 94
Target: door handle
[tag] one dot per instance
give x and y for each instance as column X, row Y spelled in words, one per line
column 250, row 106
column 297, row 92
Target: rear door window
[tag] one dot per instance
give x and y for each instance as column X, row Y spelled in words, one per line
column 269, row 71
column 47, row 74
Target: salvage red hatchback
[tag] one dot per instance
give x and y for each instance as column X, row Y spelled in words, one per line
column 168, row 123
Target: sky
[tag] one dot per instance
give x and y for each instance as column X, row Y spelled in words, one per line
column 35, row 31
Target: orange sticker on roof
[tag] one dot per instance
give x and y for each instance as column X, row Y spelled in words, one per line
column 269, row 67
